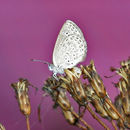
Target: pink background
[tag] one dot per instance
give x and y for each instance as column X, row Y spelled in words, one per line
column 29, row 28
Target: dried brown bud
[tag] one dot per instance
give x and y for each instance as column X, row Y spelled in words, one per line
column 118, row 105
column 21, row 91
column 75, row 87
column 94, row 79
column 58, row 94
column 96, row 101
column 124, row 70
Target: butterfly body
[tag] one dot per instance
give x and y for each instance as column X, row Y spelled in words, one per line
column 55, row 69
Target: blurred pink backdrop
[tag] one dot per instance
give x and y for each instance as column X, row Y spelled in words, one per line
column 29, row 28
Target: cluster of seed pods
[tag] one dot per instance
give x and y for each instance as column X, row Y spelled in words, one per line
column 87, row 89
column 122, row 101
column 91, row 92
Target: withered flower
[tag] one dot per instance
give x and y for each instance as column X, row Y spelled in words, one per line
column 58, row 93
column 21, row 91
column 96, row 82
column 122, row 101
column 95, row 101
column 124, row 70
column 74, row 86
column 2, row 127
column 125, row 95
column 94, row 79
column 101, row 107
column 119, row 105
column 122, row 86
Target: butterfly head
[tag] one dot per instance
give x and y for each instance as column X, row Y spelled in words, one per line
column 51, row 67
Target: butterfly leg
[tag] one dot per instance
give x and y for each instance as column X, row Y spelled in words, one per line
column 54, row 76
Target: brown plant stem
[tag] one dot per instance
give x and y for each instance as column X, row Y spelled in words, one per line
column 114, row 109
column 27, row 121
column 96, row 117
column 83, row 121
column 81, row 127
column 113, row 124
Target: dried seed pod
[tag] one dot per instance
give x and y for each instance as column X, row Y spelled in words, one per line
column 2, row 127
column 122, row 101
column 58, row 94
column 122, row 85
column 118, row 104
column 109, row 110
column 96, row 101
column 94, row 79
column 74, row 87
column 126, row 103
column 76, row 71
column 126, row 65
column 63, row 101
column 96, row 82
column 21, row 91
column 124, row 70
column 125, row 95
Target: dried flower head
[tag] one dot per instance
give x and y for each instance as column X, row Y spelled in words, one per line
column 122, row 101
column 21, row 91
column 72, row 83
column 124, row 70
column 2, row 127
column 74, row 86
column 94, row 79
column 95, row 101
column 58, row 93
column 119, row 105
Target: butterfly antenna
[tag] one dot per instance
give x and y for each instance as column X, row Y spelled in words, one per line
column 39, row 61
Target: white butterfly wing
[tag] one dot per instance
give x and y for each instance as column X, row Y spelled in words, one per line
column 70, row 47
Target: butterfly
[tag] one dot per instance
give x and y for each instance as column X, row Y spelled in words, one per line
column 70, row 49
